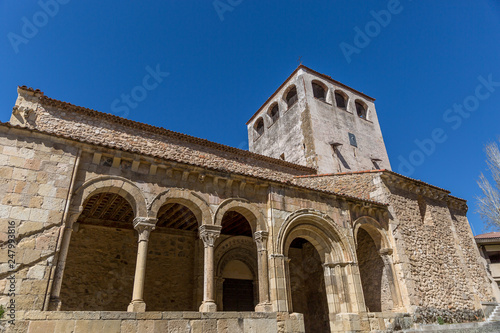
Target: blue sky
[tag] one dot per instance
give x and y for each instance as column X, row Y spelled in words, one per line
column 219, row 61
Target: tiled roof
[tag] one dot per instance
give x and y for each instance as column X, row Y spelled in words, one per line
column 376, row 171
column 162, row 131
column 495, row 234
column 288, row 183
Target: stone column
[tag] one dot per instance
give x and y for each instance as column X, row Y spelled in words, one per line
column 262, row 266
column 386, row 255
column 144, row 226
column 55, row 301
column 208, row 234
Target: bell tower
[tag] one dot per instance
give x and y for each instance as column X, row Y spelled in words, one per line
column 318, row 122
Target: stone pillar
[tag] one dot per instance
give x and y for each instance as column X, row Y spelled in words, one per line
column 208, row 234
column 342, row 287
column 262, row 266
column 278, row 282
column 332, row 289
column 55, row 301
column 386, row 255
column 144, row 226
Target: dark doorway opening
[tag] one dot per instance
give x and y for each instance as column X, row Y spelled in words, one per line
column 238, row 295
column 307, row 282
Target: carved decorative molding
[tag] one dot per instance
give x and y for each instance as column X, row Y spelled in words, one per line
column 144, row 226
column 261, row 239
column 209, row 233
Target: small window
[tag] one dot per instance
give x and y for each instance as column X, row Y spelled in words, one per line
column 259, row 126
column 376, row 162
column 319, row 91
column 291, row 97
column 274, row 113
column 352, row 140
column 361, row 110
column 340, row 100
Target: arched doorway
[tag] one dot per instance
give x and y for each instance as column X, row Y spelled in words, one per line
column 375, row 278
column 170, row 284
column 100, row 266
column 307, row 285
column 236, row 258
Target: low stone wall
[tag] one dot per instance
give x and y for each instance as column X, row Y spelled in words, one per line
column 155, row 322
column 483, row 327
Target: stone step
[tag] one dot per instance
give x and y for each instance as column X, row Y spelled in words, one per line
column 495, row 315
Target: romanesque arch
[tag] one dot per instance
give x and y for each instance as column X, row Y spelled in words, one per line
column 191, row 200
column 237, row 249
column 317, row 253
column 374, row 229
column 111, row 184
column 243, row 223
column 173, row 283
column 320, row 230
column 103, row 233
column 249, row 211
column 318, row 267
column 374, row 255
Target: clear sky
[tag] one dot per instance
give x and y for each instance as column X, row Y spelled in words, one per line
column 433, row 67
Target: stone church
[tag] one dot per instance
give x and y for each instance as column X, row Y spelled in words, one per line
column 111, row 225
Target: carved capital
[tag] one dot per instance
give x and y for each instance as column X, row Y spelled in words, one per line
column 209, row 233
column 144, row 226
column 339, row 263
column 261, row 240
column 385, row 251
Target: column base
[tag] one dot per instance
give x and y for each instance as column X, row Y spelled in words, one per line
column 55, row 304
column 136, row 306
column 208, row 306
column 264, row 307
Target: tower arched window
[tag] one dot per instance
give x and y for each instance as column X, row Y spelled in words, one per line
column 259, row 126
column 360, row 109
column 291, row 97
column 340, row 100
column 319, row 91
column 274, row 113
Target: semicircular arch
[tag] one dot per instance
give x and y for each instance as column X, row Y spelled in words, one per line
column 320, row 230
column 111, row 184
column 374, row 229
column 244, row 207
column 194, row 202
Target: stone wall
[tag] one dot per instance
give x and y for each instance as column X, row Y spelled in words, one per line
column 361, row 185
column 35, row 179
column 170, row 271
column 470, row 256
column 438, row 282
column 100, row 267
column 156, row 322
